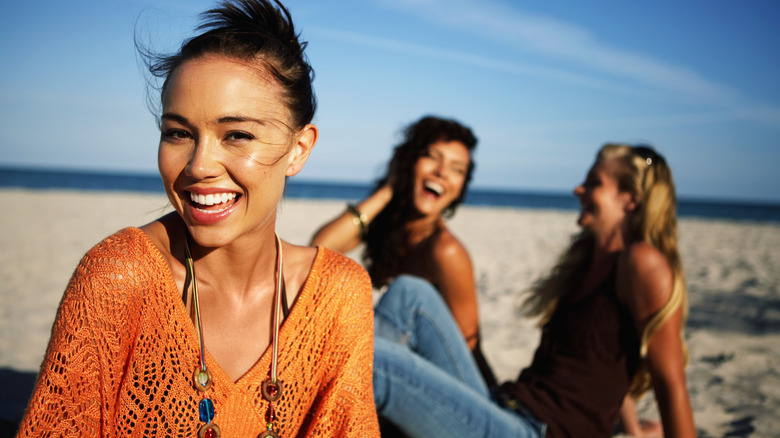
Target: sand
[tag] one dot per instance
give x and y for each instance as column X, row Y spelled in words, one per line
column 733, row 274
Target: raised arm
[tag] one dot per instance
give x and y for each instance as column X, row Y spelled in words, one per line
column 645, row 283
column 344, row 233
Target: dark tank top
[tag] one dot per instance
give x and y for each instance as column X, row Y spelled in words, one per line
column 588, row 354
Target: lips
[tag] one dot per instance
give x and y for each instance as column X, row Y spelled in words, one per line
column 207, row 203
column 433, row 188
column 210, row 208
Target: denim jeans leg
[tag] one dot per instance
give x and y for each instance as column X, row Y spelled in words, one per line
column 412, row 313
column 424, row 401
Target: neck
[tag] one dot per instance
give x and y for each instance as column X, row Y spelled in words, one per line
column 420, row 229
column 607, row 246
column 239, row 268
column 610, row 242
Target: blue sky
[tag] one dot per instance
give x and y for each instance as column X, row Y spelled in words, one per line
column 543, row 85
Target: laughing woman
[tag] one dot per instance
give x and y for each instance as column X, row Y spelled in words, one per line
column 204, row 323
column 402, row 223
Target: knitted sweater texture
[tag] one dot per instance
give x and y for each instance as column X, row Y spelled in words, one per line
column 123, row 350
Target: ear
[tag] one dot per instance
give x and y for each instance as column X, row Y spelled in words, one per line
column 629, row 202
column 305, row 140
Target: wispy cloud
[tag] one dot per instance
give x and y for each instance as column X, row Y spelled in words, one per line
column 599, row 124
column 562, row 41
column 570, row 76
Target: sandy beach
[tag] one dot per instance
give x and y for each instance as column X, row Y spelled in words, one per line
column 732, row 268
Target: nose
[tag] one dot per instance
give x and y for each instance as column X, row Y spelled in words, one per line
column 203, row 161
column 579, row 190
column 440, row 169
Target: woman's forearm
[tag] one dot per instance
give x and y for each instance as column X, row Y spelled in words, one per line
column 344, row 233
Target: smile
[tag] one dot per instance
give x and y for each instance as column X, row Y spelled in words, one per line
column 212, row 203
column 434, row 188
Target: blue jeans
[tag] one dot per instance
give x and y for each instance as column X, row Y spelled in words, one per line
column 425, row 379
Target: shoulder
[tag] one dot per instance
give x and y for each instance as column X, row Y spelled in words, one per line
column 332, row 265
column 447, row 249
column 115, row 275
column 644, row 278
column 340, row 284
column 128, row 244
column 127, row 256
column 642, row 261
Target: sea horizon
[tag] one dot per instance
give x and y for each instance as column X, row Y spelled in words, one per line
column 25, row 177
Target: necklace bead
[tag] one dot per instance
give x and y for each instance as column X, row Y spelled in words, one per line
column 209, row 430
column 206, row 410
column 271, row 391
column 202, row 379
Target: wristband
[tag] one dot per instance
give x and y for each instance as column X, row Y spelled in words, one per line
column 359, row 219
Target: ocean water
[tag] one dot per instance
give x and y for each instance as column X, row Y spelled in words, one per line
column 68, row 179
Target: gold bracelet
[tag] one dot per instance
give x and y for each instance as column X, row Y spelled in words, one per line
column 359, row 219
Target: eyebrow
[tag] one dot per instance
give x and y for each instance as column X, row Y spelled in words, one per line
column 174, row 117
column 460, row 163
column 240, row 119
column 222, row 120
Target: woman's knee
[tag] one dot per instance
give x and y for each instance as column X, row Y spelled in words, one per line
column 411, row 292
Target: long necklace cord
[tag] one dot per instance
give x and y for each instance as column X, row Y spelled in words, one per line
column 202, row 376
column 277, row 309
column 271, row 388
column 195, row 303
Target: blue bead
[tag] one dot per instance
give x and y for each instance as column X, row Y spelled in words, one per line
column 206, row 409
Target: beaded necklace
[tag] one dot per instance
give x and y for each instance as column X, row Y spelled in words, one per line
column 271, row 388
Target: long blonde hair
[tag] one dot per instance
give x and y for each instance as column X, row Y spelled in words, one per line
column 645, row 174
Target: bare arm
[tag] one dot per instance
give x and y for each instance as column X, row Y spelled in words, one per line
column 645, row 284
column 454, row 277
column 629, row 421
column 342, row 234
column 632, row 425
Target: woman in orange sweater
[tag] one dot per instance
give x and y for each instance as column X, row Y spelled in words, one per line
column 204, row 323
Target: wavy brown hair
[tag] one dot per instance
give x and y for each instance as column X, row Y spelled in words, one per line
column 386, row 237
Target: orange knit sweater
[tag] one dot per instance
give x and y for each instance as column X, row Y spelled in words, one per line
column 123, row 350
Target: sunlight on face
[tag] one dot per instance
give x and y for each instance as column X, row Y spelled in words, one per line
column 225, row 147
column 232, row 104
column 440, row 174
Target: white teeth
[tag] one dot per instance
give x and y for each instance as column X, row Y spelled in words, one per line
column 212, row 199
column 434, row 187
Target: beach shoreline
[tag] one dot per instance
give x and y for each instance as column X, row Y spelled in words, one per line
column 732, row 269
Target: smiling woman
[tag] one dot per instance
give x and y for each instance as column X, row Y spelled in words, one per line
column 191, row 325
column 226, row 138
column 402, row 221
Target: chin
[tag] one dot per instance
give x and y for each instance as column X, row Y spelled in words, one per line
column 208, row 237
column 583, row 221
column 429, row 210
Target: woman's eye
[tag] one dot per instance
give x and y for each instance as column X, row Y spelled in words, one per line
column 239, row 135
column 175, row 134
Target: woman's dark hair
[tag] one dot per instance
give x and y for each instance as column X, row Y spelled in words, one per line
column 254, row 31
column 386, row 237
